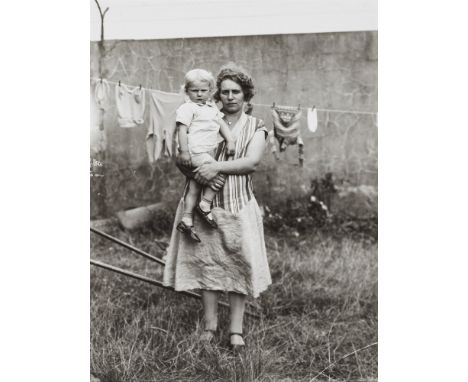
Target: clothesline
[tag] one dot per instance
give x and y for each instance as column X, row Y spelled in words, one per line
column 332, row 110
column 261, row 104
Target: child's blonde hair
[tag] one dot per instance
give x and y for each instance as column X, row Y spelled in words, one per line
column 199, row 75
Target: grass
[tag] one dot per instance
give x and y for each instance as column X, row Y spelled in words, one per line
column 316, row 316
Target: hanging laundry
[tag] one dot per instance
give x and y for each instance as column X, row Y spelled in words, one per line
column 287, row 128
column 312, row 119
column 161, row 138
column 98, row 141
column 130, row 105
column 101, row 93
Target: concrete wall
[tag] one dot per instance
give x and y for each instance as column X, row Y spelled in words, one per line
column 329, row 70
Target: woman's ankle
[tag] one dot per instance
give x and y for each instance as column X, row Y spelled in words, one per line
column 211, row 326
column 210, row 323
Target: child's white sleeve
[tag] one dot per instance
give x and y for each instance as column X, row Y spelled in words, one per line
column 184, row 114
column 220, row 114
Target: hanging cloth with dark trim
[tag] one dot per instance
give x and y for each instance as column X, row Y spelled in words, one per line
column 287, row 129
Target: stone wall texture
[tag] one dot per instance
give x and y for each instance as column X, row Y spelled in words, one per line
column 335, row 71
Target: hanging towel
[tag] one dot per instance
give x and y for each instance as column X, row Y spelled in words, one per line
column 312, row 119
column 101, row 94
column 287, row 129
column 130, row 105
column 160, row 138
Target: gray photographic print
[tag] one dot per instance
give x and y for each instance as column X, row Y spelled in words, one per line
column 233, row 191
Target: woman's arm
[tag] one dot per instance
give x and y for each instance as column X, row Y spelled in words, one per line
column 227, row 135
column 245, row 165
column 225, row 132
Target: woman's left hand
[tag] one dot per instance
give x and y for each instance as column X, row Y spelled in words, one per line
column 207, row 171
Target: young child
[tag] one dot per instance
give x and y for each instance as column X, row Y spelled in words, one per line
column 199, row 121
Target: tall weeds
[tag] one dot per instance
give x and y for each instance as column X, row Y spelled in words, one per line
column 321, row 307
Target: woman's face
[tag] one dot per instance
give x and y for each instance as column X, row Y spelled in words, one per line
column 231, row 96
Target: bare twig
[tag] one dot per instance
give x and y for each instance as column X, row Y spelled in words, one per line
column 103, row 14
column 161, row 329
column 340, row 359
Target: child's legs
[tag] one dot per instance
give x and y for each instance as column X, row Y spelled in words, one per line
column 190, row 201
column 208, row 194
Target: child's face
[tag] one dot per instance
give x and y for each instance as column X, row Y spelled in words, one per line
column 199, row 91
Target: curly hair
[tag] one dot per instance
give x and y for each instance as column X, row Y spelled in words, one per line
column 240, row 76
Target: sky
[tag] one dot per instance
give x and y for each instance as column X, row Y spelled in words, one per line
column 153, row 19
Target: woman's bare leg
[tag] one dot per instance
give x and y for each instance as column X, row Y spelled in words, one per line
column 210, row 311
column 237, row 308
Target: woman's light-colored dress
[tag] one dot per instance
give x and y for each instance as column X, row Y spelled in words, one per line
column 233, row 257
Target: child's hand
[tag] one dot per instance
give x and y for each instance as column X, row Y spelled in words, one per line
column 231, row 148
column 184, row 159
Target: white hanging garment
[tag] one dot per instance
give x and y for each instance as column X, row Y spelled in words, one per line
column 101, row 93
column 130, row 105
column 98, row 138
column 312, row 119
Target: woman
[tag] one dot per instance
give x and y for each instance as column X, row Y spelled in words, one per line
column 231, row 258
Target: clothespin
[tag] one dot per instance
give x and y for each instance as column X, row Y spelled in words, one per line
column 101, row 80
column 273, row 105
column 140, row 86
column 119, row 82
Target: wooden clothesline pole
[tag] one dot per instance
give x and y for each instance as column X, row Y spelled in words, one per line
column 128, row 246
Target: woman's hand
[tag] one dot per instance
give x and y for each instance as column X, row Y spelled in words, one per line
column 217, row 182
column 206, row 172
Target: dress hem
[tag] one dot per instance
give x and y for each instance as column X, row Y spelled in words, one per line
column 199, row 287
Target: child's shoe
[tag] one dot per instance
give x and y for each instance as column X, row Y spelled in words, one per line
column 206, row 218
column 184, row 228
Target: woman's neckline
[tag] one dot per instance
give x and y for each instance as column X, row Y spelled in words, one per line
column 234, row 121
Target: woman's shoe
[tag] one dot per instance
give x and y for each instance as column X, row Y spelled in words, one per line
column 204, row 215
column 236, row 348
column 184, row 228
